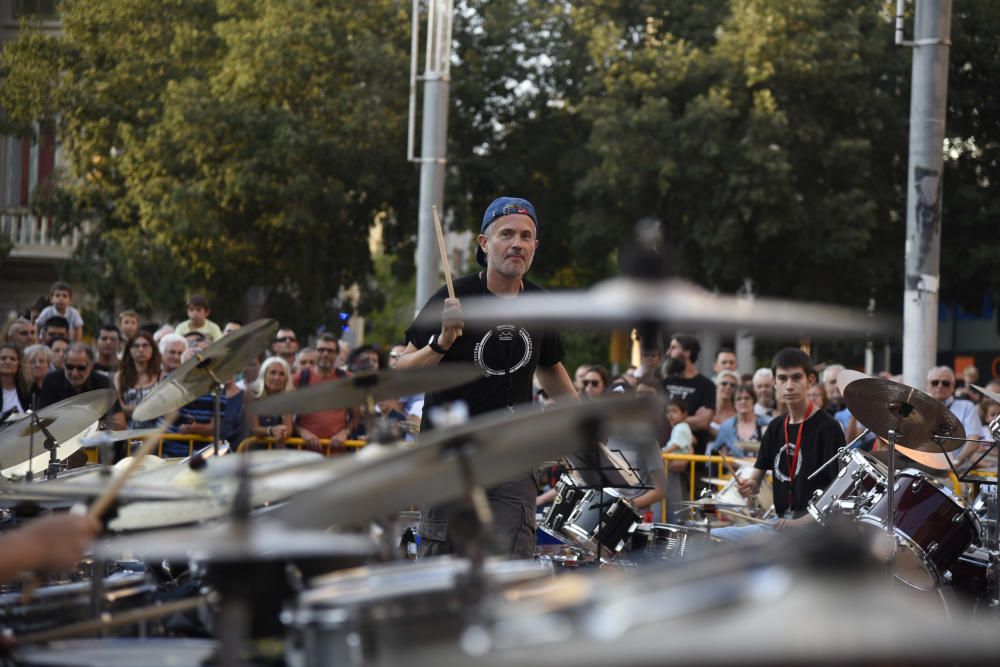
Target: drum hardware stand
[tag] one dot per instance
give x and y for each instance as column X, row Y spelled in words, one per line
column 840, row 452
column 890, row 490
column 52, row 471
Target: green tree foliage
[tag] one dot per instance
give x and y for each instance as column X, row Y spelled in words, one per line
column 224, row 144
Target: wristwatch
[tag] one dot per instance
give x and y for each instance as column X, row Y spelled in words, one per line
column 433, row 344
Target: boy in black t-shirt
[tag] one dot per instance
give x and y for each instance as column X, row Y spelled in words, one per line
column 793, row 447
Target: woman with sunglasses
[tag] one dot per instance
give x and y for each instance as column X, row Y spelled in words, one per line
column 138, row 373
column 745, row 426
column 16, row 396
column 725, row 386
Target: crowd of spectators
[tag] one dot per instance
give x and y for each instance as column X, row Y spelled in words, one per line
column 43, row 360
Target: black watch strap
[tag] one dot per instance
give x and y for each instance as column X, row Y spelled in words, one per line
column 434, row 346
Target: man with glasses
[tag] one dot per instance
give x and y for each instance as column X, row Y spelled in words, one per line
column 77, row 377
column 941, row 386
column 285, row 345
column 334, row 425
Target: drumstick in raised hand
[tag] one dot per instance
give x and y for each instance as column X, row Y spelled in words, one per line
column 444, row 252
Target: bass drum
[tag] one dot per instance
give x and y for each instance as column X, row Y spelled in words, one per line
column 933, row 527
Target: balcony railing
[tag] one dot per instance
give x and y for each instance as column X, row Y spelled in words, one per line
column 32, row 237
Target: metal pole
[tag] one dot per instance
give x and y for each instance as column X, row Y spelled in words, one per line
column 932, row 31
column 433, row 143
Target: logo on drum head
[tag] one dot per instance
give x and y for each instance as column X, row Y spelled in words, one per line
column 788, row 450
column 503, row 349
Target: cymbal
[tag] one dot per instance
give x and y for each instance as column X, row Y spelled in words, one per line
column 932, row 462
column 107, row 437
column 847, row 376
column 81, row 490
column 500, row 446
column 64, row 420
column 259, row 540
column 353, row 391
column 883, row 405
column 222, row 359
column 987, row 393
column 621, row 300
column 716, row 481
column 710, row 505
column 276, row 475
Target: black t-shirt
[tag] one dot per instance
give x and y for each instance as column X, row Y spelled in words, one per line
column 507, row 354
column 696, row 392
column 821, row 439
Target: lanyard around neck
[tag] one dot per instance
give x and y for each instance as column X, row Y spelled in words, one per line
column 795, row 457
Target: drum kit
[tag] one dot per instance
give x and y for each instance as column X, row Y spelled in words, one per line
column 288, row 558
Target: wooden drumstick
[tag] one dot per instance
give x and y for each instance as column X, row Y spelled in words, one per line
column 751, row 519
column 444, row 252
column 101, row 505
column 107, row 622
column 729, row 466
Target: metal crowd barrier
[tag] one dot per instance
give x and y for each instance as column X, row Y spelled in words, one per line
column 193, row 441
column 299, row 443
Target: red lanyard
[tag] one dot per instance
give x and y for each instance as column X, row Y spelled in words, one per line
column 795, row 457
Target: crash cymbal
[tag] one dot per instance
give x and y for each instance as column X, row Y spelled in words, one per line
column 218, row 362
column 107, row 437
column 987, row 393
column 847, row 376
column 884, row 405
column 64, row 420
column 932, row 462
column 257, row 541
column 353, row 391
column 619, row 301
column 499, row 446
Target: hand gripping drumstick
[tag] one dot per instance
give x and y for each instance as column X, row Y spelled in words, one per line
column 762, row 522
column 101, row 505
column 444, row 252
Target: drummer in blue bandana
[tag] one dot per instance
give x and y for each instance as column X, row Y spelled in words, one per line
column 507, row 354
column 793, row 447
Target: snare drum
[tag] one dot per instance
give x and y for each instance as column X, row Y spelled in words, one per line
column 375, row 615
column 933, row 527
column 859, row 482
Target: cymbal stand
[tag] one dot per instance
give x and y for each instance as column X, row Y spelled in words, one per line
column 840, row 452
column 31, row 438
column 50, row 444
column 995, row 598
column 890, row 490
column 218, row 388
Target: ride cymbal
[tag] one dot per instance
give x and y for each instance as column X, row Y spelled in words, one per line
column 216, row 363
column 883, row 406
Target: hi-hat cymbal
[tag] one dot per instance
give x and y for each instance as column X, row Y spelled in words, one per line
column 884, row 405
column 64, row 420
column 619, row 301
column 256, row 541
column 498, row 447
column 353, row 391
column 216, row 363
column 708, row 505
column 276, row 475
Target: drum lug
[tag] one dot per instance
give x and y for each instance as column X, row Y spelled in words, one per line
column 946, row 576
column 917, row 483
column 931, row 548
column 958, row 518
